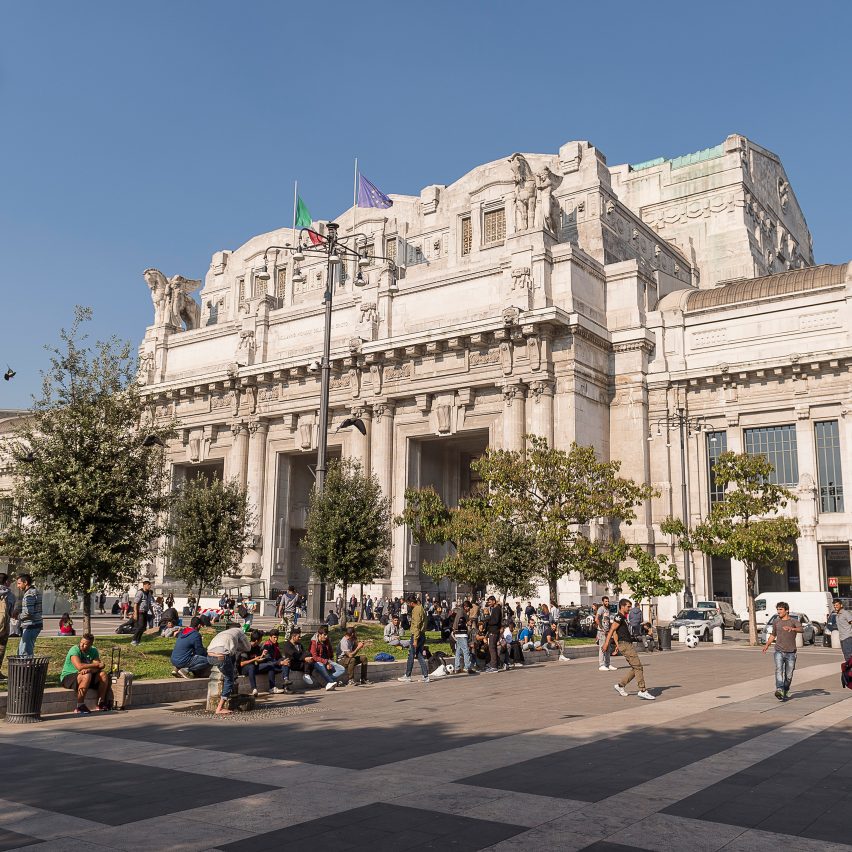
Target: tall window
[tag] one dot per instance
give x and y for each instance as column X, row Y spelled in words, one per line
column 241, row 291
column 390, row 249
column 466, row 235
column 6, row 512
column 778, row 444
column 494, row 226
column 828, row 463
column 717, row 443
column 281, row 286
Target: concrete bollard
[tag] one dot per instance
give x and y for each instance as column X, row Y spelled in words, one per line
column 835, row 639
column 682, row 633
column 800, row 640
column 214, row 689
column 718, row 635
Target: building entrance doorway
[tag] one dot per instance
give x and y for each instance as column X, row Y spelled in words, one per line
column 836, row 565
column 443, row 464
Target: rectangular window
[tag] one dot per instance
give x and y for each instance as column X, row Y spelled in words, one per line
column 390, row 249
column 778, row 444
column 241, row 291
column 717, row 443
column 6, row 511
column 281, row 286
column 494, row 226
column 828, row 466
column 466, row 235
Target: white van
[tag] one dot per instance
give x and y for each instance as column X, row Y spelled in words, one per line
column 815, row 605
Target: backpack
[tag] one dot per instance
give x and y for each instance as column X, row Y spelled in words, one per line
column 846, row 674
column 4, row 615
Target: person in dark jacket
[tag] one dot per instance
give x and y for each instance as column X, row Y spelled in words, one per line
column 189, row 656
column 493, row 627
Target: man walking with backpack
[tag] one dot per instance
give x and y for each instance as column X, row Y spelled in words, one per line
column 620, row 632
column 417, row 616
column 143, row 605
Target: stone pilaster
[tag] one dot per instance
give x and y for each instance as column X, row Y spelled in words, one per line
column 514, row 415
column 810, row 575
column 358, row 445
column 541, row 408
column 256, row 468
column 237, row 458
column 381, row 445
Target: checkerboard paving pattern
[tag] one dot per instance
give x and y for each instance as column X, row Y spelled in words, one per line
column 517, row 761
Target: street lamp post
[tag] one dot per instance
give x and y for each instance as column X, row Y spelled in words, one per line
column 685, row 425
column 334, row 248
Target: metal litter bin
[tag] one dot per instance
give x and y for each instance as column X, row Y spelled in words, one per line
column 664, row 638
column 27, row 677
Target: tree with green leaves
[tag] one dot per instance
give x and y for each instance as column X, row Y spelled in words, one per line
column 554, row 495
column 650, row 575
column 487, row 550
column 746, row 524
column 90, row 477
column 211, row 529
column 348, row 531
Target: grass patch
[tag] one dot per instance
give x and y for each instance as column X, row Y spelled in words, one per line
column 151, row 658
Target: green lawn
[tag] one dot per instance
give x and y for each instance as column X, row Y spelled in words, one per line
column 151, row 658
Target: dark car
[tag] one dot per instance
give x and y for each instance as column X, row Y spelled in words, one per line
column 568, row 623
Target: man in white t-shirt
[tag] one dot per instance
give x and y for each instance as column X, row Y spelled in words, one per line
column 603, row 622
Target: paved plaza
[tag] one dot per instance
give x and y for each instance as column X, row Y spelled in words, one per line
column 545, row 757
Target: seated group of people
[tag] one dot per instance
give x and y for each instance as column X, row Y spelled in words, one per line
column 236, row 654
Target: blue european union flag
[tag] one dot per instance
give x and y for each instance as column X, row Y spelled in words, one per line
column 369, row 195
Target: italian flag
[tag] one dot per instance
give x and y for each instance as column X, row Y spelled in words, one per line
column 304, row 220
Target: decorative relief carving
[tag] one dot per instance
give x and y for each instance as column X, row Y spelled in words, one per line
column 546, row 212
column 355, row 381
column 339, row 382
column 506, row 358
column 397, row 373
column 534, row 352
column 164, row 409
column 525, row 192
column 827, row 319
column 512, row 392
column 369, row 312
column 305, row 434
column 222, row 401
column 522, row 278
column 269, row 393
column 442, row 415
column 713, row 337
column 247, row 342
column 376, row 377
column 173, row 305
column 382, row 409
column 540, row 388
column 487, row 356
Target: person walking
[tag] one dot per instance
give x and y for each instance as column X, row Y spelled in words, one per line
column 842, row 623
column 783, row 634
column 460, row 634
column 493, row 628
column 7, row 607
column 603, row 622
column 417, row 625
column 287, row 610
column 143, row 605
column 28, row 612
column 620, row 632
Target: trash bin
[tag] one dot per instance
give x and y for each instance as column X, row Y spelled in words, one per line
column 664, row 638
column 27, row 677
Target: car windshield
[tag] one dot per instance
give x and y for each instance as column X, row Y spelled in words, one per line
column 759, row 606
column 695, row 614
column 707, row 605
column 792, row 615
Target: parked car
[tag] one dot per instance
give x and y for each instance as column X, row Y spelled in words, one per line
column 731, row 619
column 812, row 604
column 698, row 621
column 808, row 631
column 568, row 623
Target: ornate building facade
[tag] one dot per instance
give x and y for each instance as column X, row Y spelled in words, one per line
column 548, row 294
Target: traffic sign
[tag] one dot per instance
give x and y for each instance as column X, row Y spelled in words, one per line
column 832, row 582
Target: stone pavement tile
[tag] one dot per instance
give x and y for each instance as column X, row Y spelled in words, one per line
column 606, row 846
column 384, row 826
column 40, row 823
column 12, row 839
column 753, row 840
column 174, row 831
column 663, row 833
column 66, row 844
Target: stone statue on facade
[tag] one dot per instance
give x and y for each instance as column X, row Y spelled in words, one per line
column 546, row 211
column 173, row 304
column 525, row 196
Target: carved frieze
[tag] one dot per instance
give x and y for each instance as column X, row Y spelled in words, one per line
column 487, row 356
column 397, row 373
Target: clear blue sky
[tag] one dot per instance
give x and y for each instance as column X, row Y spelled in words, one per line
column 155, row 133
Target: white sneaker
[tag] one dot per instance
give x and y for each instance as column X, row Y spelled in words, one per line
column 330, row 686
column 404, row 679
column 563, row 658
column 646, row 695
column 426, row 679
column 620, row 689
column 308, row 680
column 277, row 690
column 254, row 693
column 613, row 668
column 603, row 669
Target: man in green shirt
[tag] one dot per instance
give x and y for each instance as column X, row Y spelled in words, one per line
column 417, row 615
column 83, row 670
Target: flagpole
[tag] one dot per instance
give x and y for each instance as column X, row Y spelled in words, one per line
column 355, row 198
column 295, row 201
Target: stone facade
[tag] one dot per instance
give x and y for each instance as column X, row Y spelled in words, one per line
column 546, row 294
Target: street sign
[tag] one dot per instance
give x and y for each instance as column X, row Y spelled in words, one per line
column 832, row 582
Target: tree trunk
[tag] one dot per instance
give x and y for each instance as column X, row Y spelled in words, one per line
column 198, row 599
column 552, row 580
column 361, row 602
column 87, row 611
column 344, row 610
column 751, row 571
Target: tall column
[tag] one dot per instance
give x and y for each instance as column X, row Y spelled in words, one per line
column 237, row 460
column 810, row 576
column 381, row 445
column 256, row 469
column 514, row 416
column 358, row 445
column 541, row 409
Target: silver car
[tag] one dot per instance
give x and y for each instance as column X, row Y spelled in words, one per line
column 699, row 622
column 731, row 619
column 808, row 631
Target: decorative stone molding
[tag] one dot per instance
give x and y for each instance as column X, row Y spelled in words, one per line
column 442, row 416
column 489, row 356
column 424, row 402
column 306, row 429
column 376, row 371
column 803, row 412
column 540, row 388
column 512, row 392
column 506, row 357
column 522, row 278
column 355, row 381
column 237, row 428
column 382, row 409
column 534, row 352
